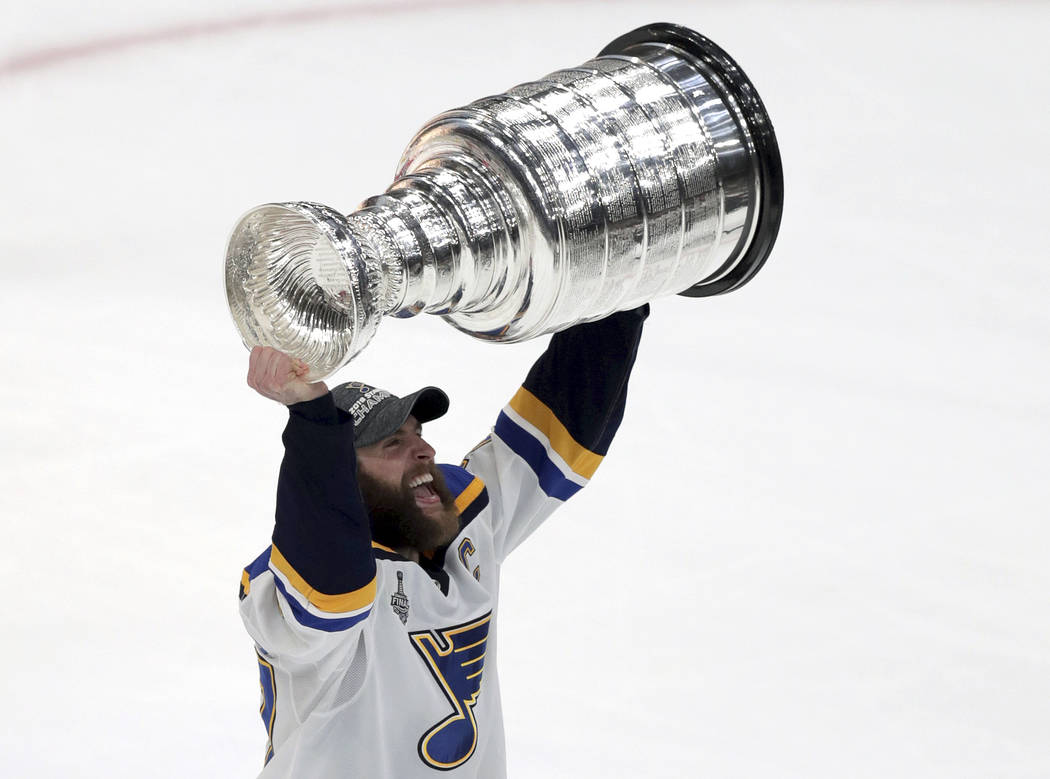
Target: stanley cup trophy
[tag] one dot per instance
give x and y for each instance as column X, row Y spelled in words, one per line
column 650, row 170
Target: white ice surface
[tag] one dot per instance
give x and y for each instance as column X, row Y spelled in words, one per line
column 819, row 546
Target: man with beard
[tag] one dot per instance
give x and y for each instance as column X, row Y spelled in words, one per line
column 373, row 610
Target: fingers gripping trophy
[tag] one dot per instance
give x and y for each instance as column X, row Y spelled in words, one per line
column 650, row 170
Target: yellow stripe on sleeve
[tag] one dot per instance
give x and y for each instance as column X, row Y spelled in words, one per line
column 534, row 411
column 338, row 604
column 246, row 581
column 469, row 494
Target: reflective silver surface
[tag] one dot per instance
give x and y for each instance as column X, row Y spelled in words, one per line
column 592, row 190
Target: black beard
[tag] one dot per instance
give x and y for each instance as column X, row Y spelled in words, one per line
column 397, row 521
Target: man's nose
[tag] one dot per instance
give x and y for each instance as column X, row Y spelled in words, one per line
column 423, row 450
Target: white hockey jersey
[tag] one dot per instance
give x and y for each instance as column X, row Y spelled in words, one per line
column 396, row 675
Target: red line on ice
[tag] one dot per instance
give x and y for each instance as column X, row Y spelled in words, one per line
column 55, row 55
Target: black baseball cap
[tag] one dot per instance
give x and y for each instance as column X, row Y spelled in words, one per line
column 378, row 413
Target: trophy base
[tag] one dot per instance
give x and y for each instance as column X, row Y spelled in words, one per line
column 738, row 91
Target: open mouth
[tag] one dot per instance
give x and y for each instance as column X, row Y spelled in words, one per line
column 423, row 491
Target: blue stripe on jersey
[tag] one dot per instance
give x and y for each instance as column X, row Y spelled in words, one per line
column 256, row 567
column 304, row 617
column 259, row 565
column 456, row 479
column 476, row 507
column 552, row 480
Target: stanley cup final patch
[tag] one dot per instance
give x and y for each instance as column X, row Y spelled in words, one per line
column 399, row 601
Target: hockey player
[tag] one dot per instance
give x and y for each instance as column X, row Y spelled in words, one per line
column 373, row 611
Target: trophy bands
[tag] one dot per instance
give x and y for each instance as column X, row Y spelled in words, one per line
column 650, row 170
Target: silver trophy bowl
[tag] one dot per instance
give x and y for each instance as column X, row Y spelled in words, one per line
column 650, row 170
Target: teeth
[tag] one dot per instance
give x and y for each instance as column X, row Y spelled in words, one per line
column 426, row 478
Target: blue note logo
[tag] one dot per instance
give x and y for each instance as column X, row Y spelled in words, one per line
column 268, row 707
column 456, row 658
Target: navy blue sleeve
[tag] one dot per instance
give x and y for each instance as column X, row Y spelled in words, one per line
column 582, row 377
column 322, row 528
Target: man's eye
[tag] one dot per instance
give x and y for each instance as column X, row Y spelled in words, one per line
column 391, row 443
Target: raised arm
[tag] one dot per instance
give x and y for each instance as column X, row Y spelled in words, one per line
column 321, row 555
column 581, row 381
column 552, row 435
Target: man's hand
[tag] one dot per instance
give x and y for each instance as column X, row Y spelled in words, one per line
column 279, row 377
